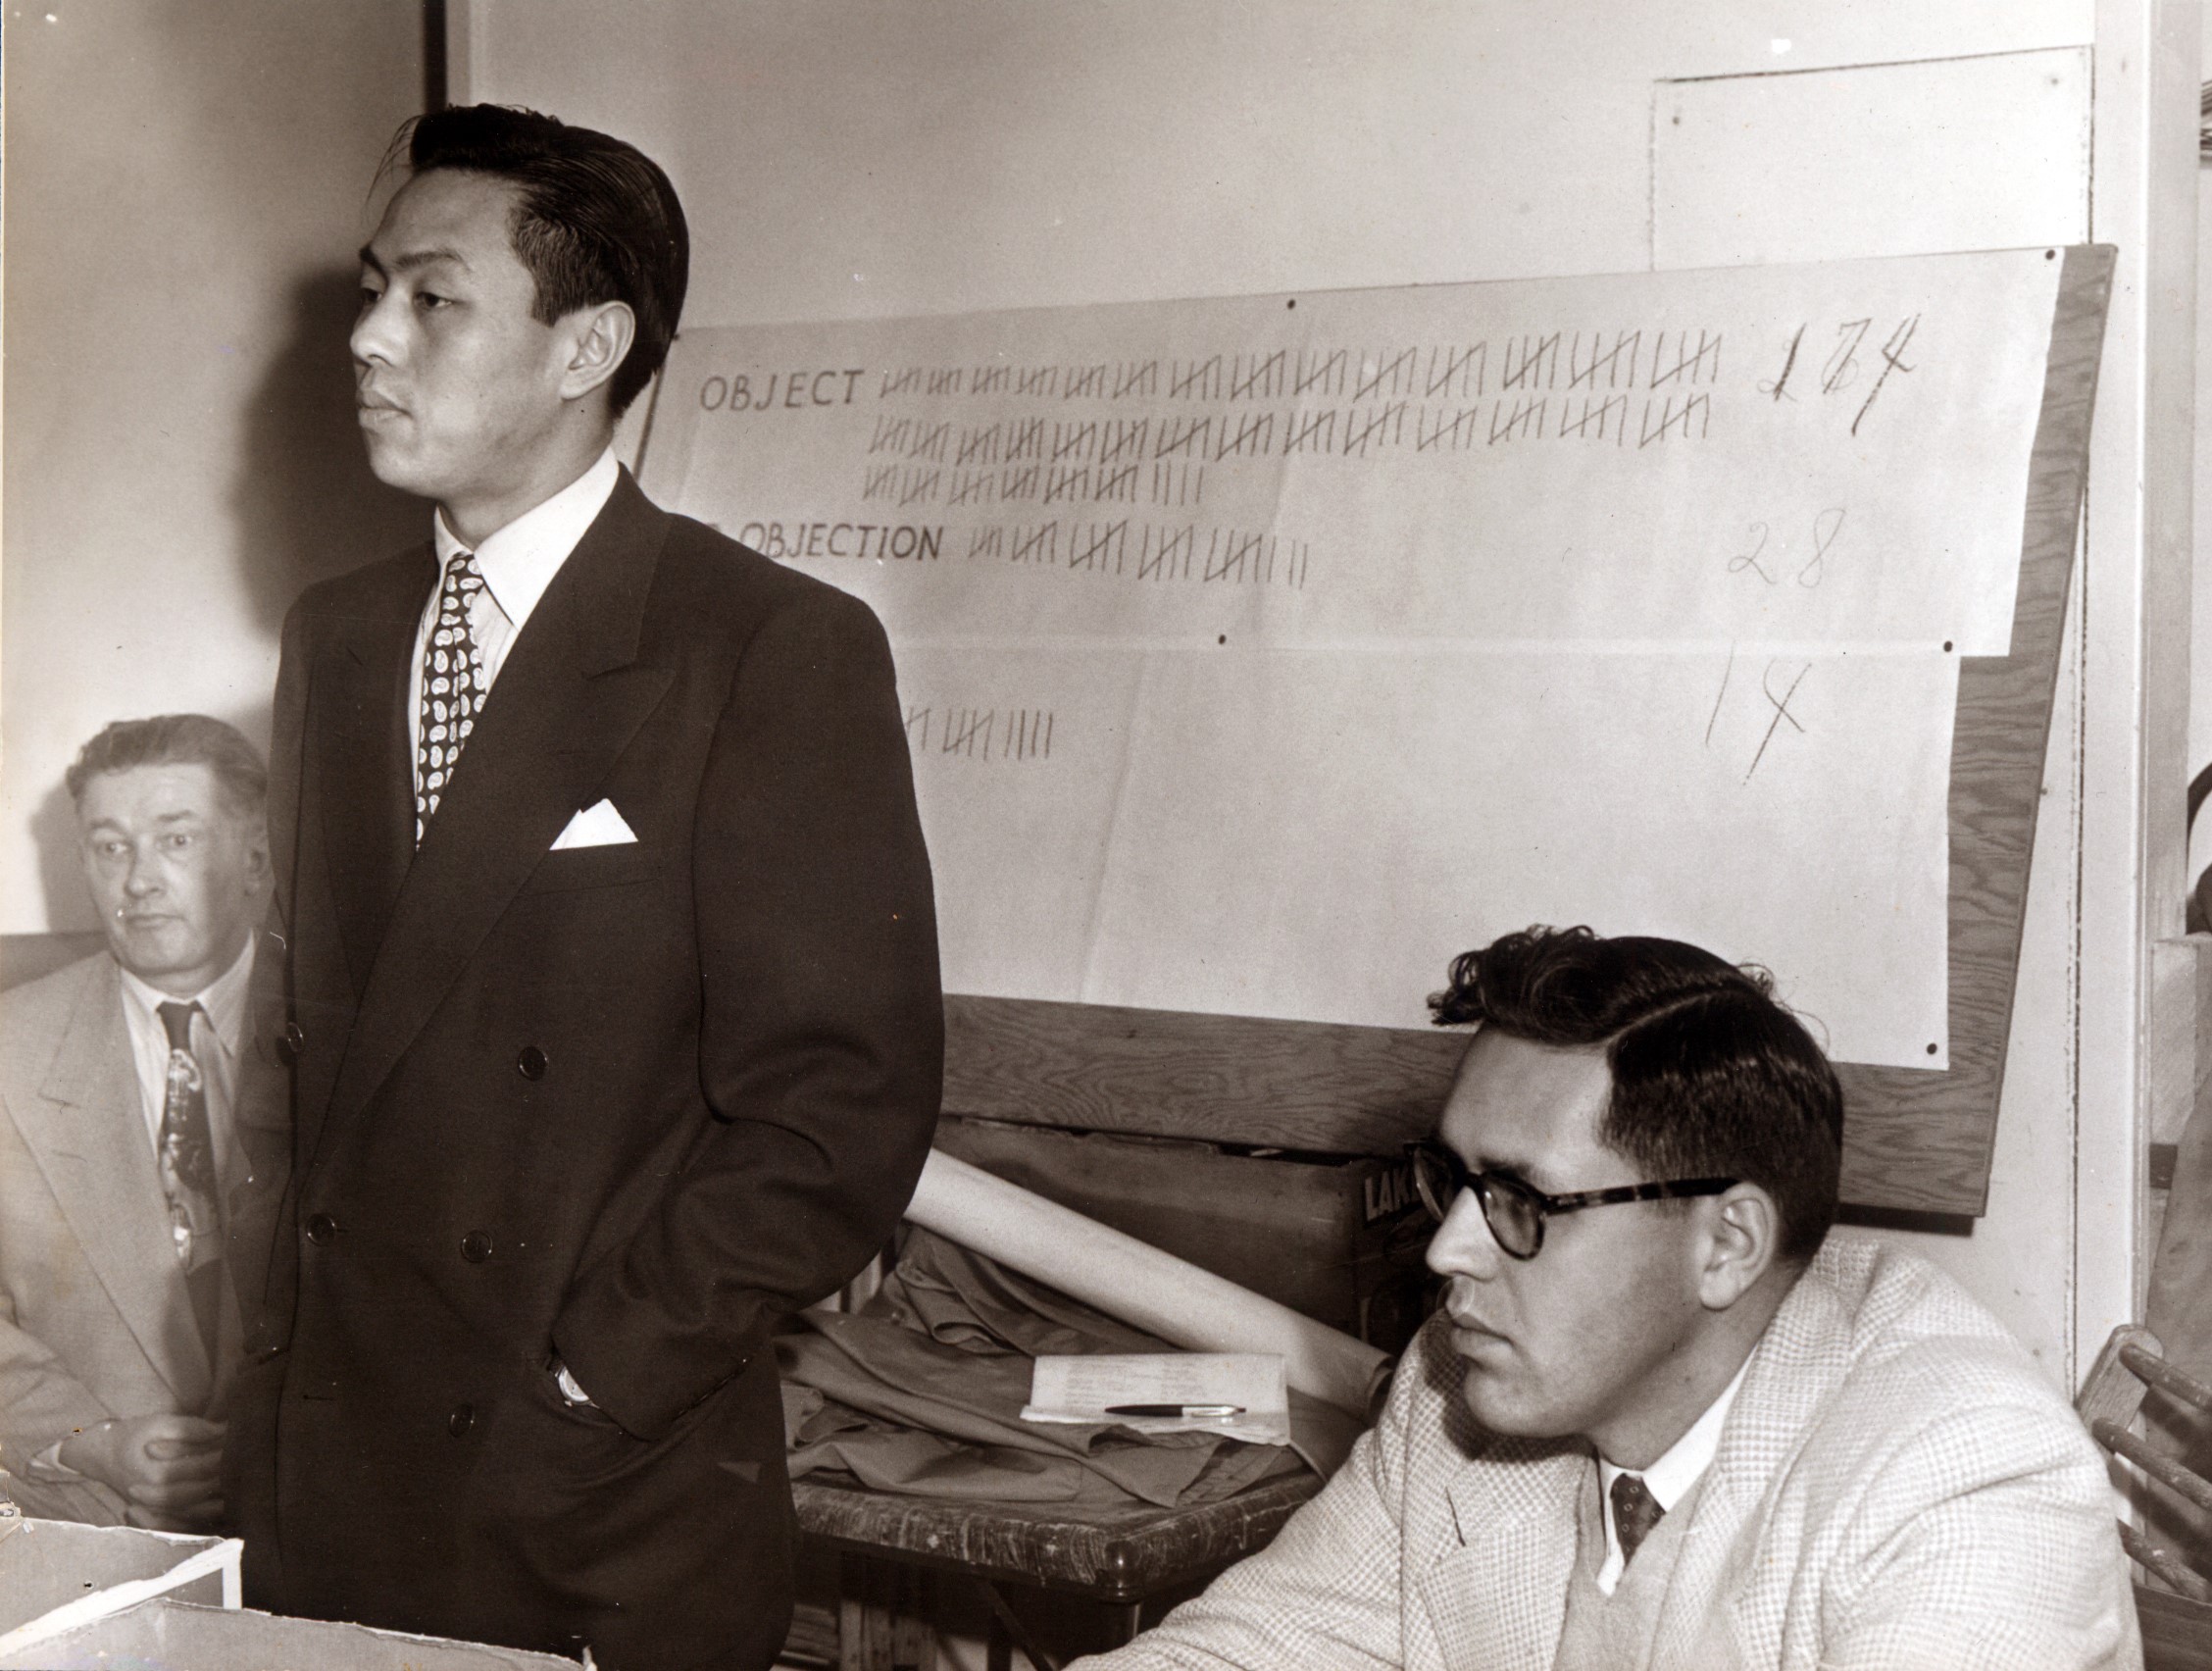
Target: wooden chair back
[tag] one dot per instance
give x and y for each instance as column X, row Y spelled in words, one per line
column 2177, row 1621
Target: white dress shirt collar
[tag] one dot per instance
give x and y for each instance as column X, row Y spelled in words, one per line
column 519, row 561
column 223, row 999
column 224, row 1003
column 1670, row 1479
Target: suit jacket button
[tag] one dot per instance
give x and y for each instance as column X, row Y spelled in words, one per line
column 530, row 1064
column 290, row 1043
column 475, row 1248
column 464, row 1418
column 320, row 1228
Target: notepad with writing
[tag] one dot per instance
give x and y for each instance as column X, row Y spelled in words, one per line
column 1087, row 1389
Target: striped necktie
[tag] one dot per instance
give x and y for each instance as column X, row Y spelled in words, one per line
column 452, row 686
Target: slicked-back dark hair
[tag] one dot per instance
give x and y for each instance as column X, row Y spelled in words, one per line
column 178, row 740
column 596, row 220
column 1712, row 1076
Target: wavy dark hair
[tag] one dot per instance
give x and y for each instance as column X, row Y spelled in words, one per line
column 1711, row 1076
column 596, row 220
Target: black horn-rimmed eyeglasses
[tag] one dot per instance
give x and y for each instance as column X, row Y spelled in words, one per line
column 1516, row 1211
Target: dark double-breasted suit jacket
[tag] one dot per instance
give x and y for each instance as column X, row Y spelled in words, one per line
column 626, row 1104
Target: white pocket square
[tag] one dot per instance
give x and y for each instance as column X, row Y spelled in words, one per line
column 598, row 826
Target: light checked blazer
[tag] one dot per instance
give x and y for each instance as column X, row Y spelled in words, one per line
column 1898, row 1489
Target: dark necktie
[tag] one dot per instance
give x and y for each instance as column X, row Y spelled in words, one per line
column 1635, row 1511
column 187, row 1171
column 452, row 686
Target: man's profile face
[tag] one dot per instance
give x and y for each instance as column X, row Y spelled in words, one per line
column 178, row 877
column 457, row 386
column 1569, row 1342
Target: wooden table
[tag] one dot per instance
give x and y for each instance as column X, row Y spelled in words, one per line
column 1120, row 1557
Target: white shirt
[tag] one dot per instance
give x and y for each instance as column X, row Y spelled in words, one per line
column 518, row 563
column 218, row 1033
column 1669, row 1478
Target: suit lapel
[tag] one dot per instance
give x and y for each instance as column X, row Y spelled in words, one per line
column 1796, row 1365
column 261, row 1124
column 1499, row 1600
column 365, row 760
column 87, row 1127
column 567, row 702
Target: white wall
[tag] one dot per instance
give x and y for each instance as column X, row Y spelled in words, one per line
column 842, row 159
column 186, row 184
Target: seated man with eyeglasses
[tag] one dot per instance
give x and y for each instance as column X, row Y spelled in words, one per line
column 1663, row 1418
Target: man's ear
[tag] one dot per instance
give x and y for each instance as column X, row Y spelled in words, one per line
column 599, row 338
column 259, row 872
column 1742, row 1234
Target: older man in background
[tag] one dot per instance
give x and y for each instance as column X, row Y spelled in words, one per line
column 145, row 1141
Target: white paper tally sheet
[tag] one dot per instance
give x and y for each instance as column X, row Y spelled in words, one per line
column 1258, row 654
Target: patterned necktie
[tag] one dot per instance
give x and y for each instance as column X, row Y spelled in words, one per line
column 187, row 1169
column 1635, row 1511
column 452, row 686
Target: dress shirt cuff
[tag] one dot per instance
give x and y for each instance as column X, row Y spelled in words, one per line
column 48, row 1465
column 571, row 1390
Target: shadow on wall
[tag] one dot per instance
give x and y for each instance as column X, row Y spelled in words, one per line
column 304, row 507
column 304, row 503
column 53, row 826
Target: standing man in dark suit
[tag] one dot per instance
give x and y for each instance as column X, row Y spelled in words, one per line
column 619, row 1030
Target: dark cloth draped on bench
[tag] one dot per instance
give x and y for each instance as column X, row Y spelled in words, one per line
column 922, row 1389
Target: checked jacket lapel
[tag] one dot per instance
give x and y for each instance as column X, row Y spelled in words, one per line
column 1796, row 1367
column 1496, row 1601
column 567, row 702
